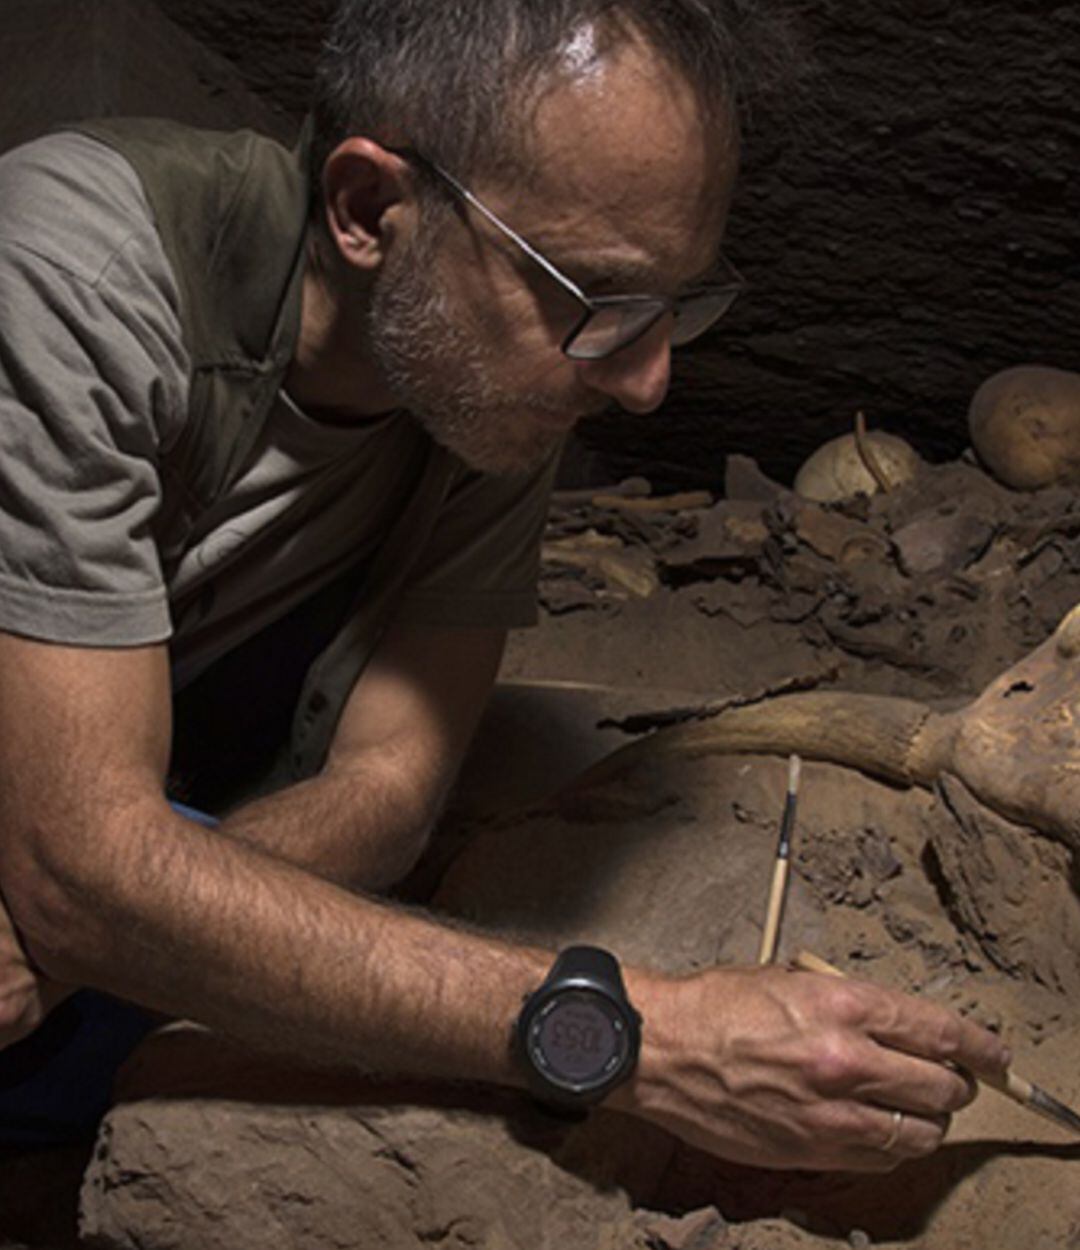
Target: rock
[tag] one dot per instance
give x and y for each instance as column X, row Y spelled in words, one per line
column 744, row 481
column 697, row 1230
column 728, row 539
column 225, row 1174
column 942, row 543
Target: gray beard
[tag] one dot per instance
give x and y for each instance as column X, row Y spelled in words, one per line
column 438, row 372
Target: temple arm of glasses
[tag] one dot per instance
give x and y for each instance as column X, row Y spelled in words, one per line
column 461, row 190
column 734, row 282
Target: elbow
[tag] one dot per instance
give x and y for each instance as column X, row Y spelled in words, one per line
column 397, row 862
column 384, row 844
column 406, row 849
column 47, row 917
column 377, row 860
column 51, row 881
column 48, row 905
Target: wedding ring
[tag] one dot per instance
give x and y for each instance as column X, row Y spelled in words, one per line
column 894, row 1134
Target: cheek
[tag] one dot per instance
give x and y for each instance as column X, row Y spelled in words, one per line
column 513, row 331
column 505, row 311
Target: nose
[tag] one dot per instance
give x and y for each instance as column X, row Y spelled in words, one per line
column 637, row 377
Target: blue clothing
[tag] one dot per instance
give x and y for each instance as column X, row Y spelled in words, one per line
column 56, row 1084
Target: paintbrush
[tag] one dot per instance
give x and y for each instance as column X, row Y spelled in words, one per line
column 1010, row 1084
column 778, row 889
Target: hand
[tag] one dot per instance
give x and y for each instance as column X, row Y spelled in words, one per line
column 786, row 1069
column 26, row 997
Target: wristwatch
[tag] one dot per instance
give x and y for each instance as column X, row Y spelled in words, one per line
column 578, row 1035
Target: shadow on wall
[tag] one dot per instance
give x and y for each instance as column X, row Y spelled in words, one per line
column 109, row 58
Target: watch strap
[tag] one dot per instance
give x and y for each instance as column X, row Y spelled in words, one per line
column 588, row 964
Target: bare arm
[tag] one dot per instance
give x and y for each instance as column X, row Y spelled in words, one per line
column 364, row 820
column 110, row 888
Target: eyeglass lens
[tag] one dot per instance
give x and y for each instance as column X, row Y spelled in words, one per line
column 607, row 330
column 696, row 313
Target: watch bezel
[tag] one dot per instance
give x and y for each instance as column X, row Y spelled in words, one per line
column 546, row 1082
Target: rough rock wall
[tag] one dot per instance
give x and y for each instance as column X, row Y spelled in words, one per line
column 921, row 235
column 915, row 234
column 83, row 58
column 273, row 45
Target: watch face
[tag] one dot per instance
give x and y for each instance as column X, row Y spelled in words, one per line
column 579, row 1039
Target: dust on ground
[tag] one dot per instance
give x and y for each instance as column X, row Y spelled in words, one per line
column 655, row 612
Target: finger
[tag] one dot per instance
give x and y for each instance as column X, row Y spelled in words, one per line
column 900, row 1134
column 934, row 1032
column 909, row 1083
column 909, row 1136
column 859, row 1137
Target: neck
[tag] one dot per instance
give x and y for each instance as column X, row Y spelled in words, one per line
column 332, row 371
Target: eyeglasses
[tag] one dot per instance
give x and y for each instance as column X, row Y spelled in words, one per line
column 608, row 323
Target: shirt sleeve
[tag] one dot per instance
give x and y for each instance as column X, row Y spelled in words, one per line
column 481, row 565
column 93, row 387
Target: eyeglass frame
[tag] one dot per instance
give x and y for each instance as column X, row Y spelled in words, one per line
column 590, row 304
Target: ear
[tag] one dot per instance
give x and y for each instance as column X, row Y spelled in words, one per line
column 367, row 198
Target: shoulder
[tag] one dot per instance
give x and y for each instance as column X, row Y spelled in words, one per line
column 74, row 203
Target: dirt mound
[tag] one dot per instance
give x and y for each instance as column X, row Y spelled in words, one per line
column 231, row 1153
column 927, row 593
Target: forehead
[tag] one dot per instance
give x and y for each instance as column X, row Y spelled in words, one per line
column 626, row 171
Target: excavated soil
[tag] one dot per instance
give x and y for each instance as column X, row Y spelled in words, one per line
column 657, row 613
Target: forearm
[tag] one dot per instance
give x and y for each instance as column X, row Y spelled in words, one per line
column 363, row 826
column 182, row 920
column 365, row 819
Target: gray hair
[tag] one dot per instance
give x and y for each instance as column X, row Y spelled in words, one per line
column 458, row 79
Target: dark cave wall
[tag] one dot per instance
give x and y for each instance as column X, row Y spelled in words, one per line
column 918, row 236
column 915, row 232
column 272, row 44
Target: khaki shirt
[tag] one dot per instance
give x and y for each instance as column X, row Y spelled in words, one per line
column 94, row 380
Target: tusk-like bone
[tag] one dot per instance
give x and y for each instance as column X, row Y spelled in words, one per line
column 897, row 740
column 1016, row 747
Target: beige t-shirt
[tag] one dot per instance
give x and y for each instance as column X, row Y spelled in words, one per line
column 93, row 394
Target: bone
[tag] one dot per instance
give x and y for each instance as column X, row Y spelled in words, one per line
column 1016, row 747
column 886, row 738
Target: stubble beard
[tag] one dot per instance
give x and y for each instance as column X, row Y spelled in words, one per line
column 438, row 372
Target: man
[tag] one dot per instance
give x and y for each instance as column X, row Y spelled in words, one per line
column 496, row 183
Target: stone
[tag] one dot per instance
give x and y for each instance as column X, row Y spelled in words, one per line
column 942, row 543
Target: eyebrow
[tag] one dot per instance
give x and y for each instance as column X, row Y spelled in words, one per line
column 642, row 276
column 586, row 267
column 629, row 272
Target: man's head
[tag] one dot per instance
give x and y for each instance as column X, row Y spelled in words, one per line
column 603, row 133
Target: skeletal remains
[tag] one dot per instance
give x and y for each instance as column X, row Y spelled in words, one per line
column 212, row 1151
column 1016, row 747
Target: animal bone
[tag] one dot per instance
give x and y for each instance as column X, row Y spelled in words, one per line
column 1016, row 747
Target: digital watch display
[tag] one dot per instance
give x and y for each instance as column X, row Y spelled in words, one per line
column 578, row 1034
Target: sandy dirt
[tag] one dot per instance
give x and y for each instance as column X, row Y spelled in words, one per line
column 926, row 594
